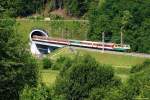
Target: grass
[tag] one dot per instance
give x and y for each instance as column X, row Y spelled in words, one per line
column 104, row 58
column 65, row 29
column 49, row 77
column 121, row 63
column 122, row 72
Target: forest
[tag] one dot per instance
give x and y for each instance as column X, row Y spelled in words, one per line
column 81, row 76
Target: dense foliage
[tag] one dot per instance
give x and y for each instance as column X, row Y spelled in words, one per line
column 139, row 81
column 47, row 63
column 61, row 62
column 131, row 17
column 20, row 7
column 41, row 92
column 28, row 7
column 17, row 67
column 81, row 76
column 73, row 7
column 77, row 7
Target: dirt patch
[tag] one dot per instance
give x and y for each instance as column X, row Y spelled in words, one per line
column 62, row 13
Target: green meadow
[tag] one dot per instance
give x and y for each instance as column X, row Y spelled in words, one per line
column 120, row 63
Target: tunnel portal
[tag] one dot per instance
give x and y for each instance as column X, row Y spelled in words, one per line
column 39, row 49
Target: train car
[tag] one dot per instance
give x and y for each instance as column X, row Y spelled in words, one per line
column 123, row 48
column 100, row 45
column 74, row 42
column 51, row 40
column 88, row 44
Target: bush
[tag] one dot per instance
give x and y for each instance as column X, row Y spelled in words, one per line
column 37, row 93
column 83, row 74
column 17, row 67
column 138, row 68
column 105, row 93
column 138, row 84
column 47, row 63
column 61, row 62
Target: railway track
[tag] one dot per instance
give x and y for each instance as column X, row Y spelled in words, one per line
column 114, row 52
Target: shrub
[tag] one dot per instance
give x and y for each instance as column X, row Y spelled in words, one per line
column 105, row 93
column 61, row 63
column 83, row 74
column 138, row 68
column 37, row 93
column 47, row 63
column 138, row 84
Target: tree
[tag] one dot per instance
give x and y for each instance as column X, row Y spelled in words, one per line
column 17, row 67
column 124, row 22
column 77, row 7
column 21, row 7
column 119, row 16
column 99, row 21
column 57, row 4
column 47, row 63
column 78, row 80
column 138, row 83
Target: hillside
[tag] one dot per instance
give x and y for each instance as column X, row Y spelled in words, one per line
column 122, row 64
column 73, row 29
column 75, row 73
column 122, row 22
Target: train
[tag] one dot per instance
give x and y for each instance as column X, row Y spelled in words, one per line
column 81, row 43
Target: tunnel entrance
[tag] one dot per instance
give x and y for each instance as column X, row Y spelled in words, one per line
column 37, row 33
column 40, row 48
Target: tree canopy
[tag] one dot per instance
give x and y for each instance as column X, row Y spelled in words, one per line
column 20, row 8
column 17, row 67
column 81, row 77
column 116, row 16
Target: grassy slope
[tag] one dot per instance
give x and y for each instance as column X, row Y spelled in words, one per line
column 70, row 29
column 104, row 58
column 49, row 77
column 120, row 63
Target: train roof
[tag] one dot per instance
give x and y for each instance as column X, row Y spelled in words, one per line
column 79, row 40
column 98, row 42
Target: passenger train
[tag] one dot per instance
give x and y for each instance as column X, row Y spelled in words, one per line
column 79, row 43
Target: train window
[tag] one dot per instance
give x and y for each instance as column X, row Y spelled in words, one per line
column 108, row 45
column 86, row 43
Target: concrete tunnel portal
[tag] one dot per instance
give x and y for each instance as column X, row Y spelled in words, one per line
column 38, row 32
column 36, row 48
